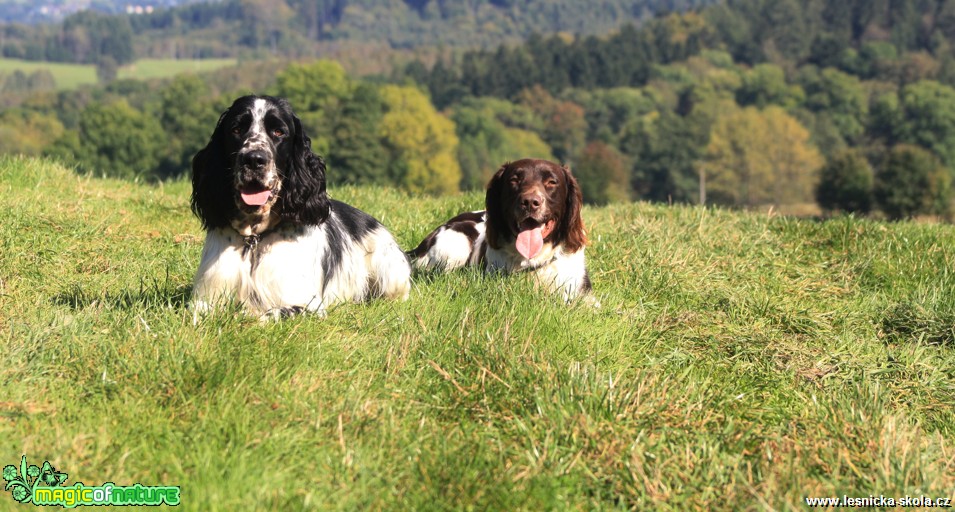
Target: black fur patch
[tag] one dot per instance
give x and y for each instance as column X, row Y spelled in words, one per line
column 356, row 222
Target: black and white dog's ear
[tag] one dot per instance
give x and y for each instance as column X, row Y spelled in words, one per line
column 210, row 177
column 303, row 198
column 496, row 216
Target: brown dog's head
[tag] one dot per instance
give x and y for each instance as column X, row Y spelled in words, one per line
column 532, row 202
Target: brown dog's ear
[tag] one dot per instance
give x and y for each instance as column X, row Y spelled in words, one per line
column 495, row 214
column 571, row 229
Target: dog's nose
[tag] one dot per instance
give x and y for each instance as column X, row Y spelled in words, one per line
column 255, row 159
column 531, row 202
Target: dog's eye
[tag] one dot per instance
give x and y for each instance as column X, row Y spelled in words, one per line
column 552, row 182
column 278, row 132
column 236, row 131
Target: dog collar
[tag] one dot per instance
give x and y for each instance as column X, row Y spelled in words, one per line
column 250, row 243
column 541, row 265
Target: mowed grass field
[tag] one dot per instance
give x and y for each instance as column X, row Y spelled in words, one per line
column 71, row 76
column 739, row 361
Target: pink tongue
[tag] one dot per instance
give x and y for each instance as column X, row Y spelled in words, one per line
column 530, row 242
column 256, row 198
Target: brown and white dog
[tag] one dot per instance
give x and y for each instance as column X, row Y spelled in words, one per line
column 531, row 223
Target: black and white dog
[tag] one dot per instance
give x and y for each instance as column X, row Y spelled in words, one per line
column 274, row 241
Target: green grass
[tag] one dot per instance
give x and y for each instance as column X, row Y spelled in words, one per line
column 145, row 69
column 71, row 76
column 738, row 361
column 67, row 76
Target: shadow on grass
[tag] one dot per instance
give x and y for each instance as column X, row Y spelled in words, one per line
column 911, row 322
column 148, row 295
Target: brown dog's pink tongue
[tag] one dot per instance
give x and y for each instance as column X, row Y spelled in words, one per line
column 256, row 198
column 530, row 242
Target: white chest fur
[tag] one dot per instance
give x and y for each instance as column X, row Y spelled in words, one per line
column 553, row 269
column 298, row 268
column 281, row 270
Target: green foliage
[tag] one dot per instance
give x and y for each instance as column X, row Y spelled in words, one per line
column 356, row 154
column 927, row 111
column 188, row 116
column 421, row 142
column 313, row 87
column 564, row 125
column 602, row 174
column 27, row 132
column 760, row 157
column 89, row 37
column 487, row 141
column 849, row 72
column 609, row 111
column 113, row 140
column 663, row 171
column 315, row 90
column 20, row 82
column 840, row 97
column 845, row 183
column 912, row 181
column 766, row 85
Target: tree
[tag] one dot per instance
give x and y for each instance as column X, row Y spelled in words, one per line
column 89, row 37
column 841, row 97
column 315, row 91
column 113, row 140
column 188, row 116
column 356, row 154
column 608, row 111
column 486, row 141
column 845, row 183
column 912, row 181
column 760, row 157
column 765, row 85
column 928, row 114
column 106, row 69
column 421, row 142
column 602, row 174
column 27, row 132
column 664, row 171
column 565, row 127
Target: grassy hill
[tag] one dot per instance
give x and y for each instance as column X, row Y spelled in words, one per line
column 739, row 361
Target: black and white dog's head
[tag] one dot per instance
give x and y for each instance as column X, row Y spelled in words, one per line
column 258, row 170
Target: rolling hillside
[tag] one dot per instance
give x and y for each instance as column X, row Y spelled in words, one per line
column 739, row 361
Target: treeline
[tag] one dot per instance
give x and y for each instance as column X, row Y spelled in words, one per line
column 682, row 109
column 368, row 133
column 304, row 28
column 749, row 102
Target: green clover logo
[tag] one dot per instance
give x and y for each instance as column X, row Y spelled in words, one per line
column 23, row 482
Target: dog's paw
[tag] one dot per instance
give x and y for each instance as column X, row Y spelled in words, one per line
column 200, row 309
column 276, row 314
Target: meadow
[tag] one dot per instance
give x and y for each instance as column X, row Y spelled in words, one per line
column 739, row 361
column 72, row 76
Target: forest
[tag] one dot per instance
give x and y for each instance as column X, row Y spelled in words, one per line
column 811, row 106
column 310, row 28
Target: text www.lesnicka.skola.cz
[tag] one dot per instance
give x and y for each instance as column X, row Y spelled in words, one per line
column 879, row 501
